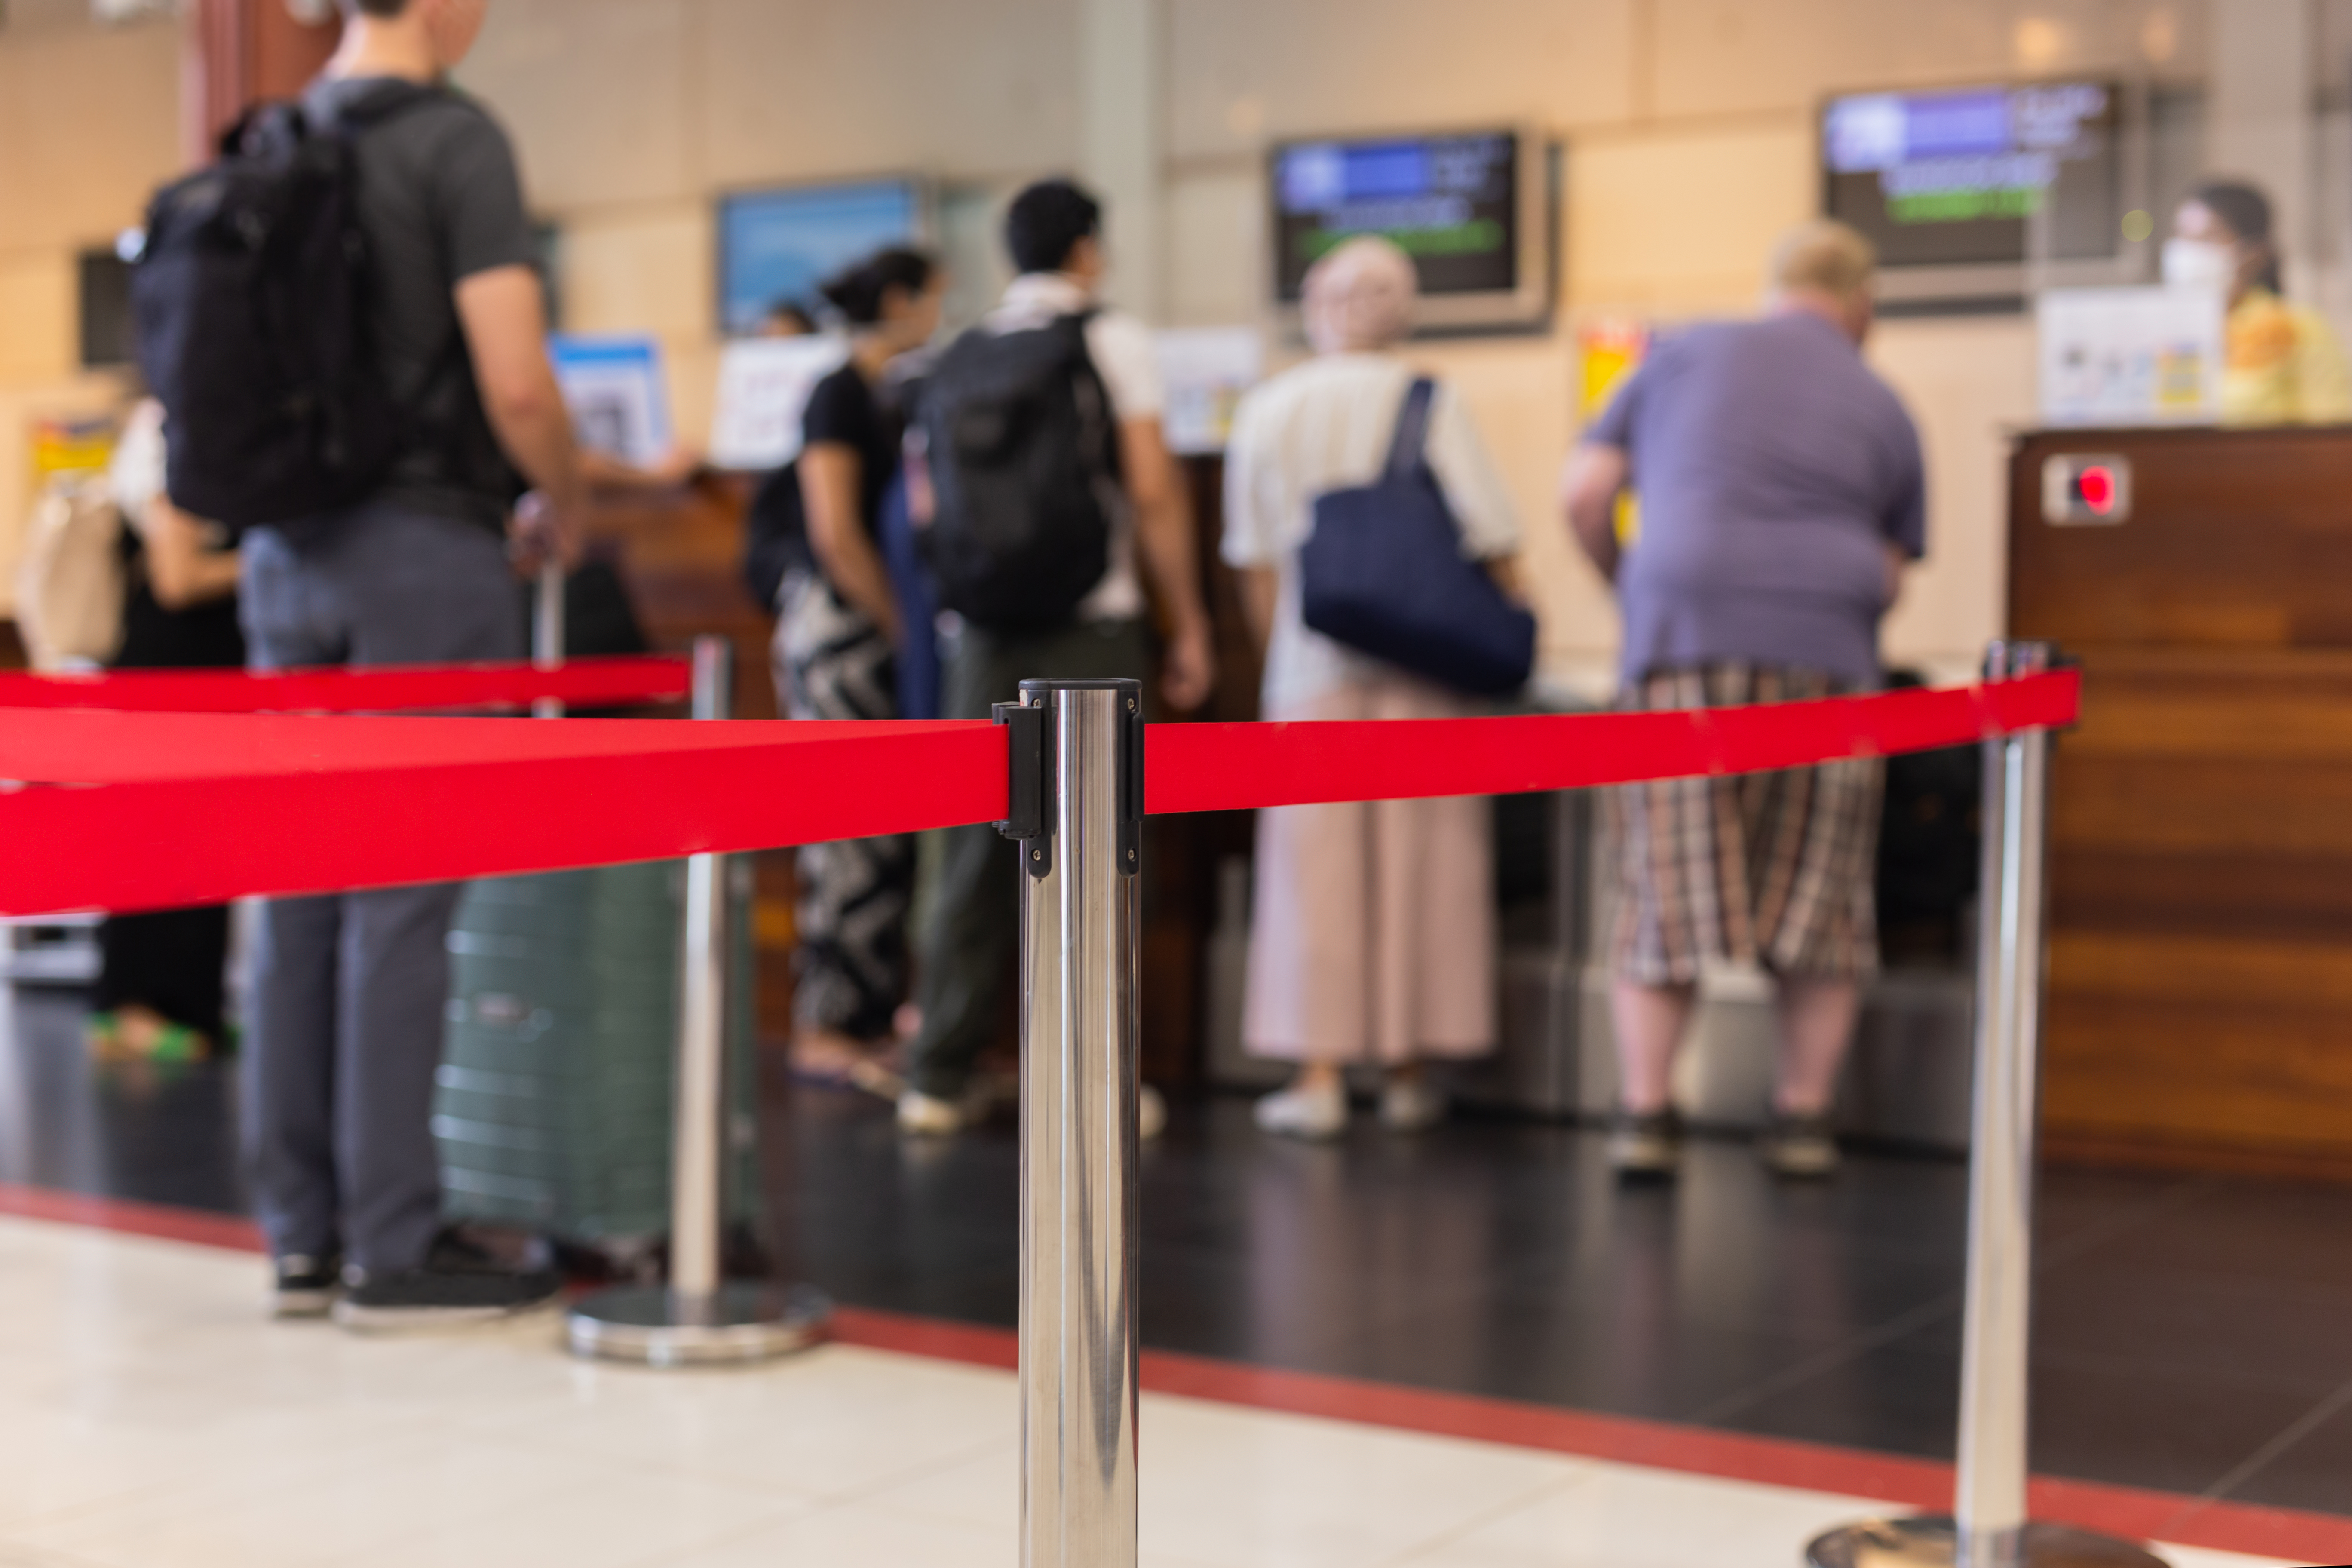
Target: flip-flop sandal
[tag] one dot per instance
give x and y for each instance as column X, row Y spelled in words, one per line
column 178, row 1043
column 101, row 1036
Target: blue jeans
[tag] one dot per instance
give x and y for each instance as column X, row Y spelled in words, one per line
column 349, row 988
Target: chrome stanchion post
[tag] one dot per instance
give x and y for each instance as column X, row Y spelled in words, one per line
column 1077, row 809
column 700, row 1316
column 1988, row 1526
column 698, row 1149
column 547, row 632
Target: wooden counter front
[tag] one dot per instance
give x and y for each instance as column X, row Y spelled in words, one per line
column 2201, row 966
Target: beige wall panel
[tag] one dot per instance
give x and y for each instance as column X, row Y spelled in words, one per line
column 692, row 366
column 641, row 269
column 1241, row 71
column 648, row 269
column 1966, row 381
column 597, row 95
column 1216, row 249
column 1730, row 57
column 89, row 126
column 828, row 88
column 1677, row 222
column 37, row 322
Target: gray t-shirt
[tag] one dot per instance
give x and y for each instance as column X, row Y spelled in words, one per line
column 1773, row 471
column 440, row 201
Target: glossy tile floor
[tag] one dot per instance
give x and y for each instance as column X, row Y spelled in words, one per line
column 2191, row 1332
column 152, row 1419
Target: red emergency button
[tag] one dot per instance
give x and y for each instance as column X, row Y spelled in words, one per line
column 2096, row 485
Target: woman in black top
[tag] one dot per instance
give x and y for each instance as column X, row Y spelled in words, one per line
column 838, row 624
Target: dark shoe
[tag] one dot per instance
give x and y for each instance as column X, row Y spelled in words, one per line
column 303, row 1286
column 457, row 1283
column 1646, row 1147
column 1800, row 1147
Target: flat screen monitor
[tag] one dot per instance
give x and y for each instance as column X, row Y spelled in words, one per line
column 778, row 245
column 1472, row 208
column 1998, row 177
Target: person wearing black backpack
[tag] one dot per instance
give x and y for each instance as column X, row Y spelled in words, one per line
column 407, row 561
column 1053, row 493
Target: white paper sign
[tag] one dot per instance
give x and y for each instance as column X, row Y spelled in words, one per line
column 613, row 386
column 2130, row 356
column 763, row 388
column 1206, row 369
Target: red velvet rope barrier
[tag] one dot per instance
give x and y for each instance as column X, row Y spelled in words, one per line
column 125, row 811
column 394, row 689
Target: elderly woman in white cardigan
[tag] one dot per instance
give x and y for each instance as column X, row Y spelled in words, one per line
column 1372, row 935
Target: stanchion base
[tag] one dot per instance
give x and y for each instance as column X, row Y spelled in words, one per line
column 649, row 1325
column 1931, row 1541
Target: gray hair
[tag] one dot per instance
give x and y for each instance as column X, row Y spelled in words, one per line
column 1360, row 296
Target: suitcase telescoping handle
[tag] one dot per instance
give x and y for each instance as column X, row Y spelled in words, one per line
column 547, row 631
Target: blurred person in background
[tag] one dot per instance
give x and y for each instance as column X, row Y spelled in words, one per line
column 787, row 319
column 2283, row 364
column 969, row 933
column 160, row 982
column 349, row 988
column 834, row 659
column 1373, row 938
column 1781, row 495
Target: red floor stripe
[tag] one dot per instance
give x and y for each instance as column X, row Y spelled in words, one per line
column 195, row 1225
column 1922, row 1484
column 2128, row 1511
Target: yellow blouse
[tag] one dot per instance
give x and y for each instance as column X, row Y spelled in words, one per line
column 2283, row 365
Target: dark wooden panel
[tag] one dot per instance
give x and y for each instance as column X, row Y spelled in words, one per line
column 2200, row 977
column 2240, row 539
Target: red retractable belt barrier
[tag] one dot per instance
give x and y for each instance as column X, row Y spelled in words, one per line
column 407, row 687
column 123, row 811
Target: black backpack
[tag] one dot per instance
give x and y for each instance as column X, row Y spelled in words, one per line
column 1023, row 451
column 250, row 302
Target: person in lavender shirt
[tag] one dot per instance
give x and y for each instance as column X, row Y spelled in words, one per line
column 1781, row 495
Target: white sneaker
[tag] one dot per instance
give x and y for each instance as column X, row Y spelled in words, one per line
column 1305, row 1112
column 924, row 1115
column 1410, row 1105
column 1151, row 1113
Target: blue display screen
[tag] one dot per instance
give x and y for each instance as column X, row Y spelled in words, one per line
column 1452, row 202
column 778, row 246
column 1953, row 176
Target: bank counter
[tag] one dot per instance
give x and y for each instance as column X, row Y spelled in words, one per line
column 2201, row 966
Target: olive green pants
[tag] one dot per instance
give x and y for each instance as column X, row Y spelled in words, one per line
column 967, row 934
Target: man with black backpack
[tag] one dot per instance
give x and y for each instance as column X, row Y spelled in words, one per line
column 370, row 458
column 1053, row 488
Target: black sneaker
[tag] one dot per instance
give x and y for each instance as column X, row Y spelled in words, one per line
column 1800, row 1147
column 303, row 1286
column 1647, row 1146
column 458, row 1282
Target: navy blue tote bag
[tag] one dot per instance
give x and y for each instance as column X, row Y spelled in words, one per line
column 1383, row 573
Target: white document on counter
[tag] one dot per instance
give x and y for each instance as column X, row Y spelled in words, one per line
column 2130, row 356
column 763, row 388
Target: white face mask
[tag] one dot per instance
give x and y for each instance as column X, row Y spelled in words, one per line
column 2199, row 264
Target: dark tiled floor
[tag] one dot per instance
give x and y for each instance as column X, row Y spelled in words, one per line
column 2193, row 1334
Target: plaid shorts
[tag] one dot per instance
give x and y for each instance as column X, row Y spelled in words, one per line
column 1777, row 869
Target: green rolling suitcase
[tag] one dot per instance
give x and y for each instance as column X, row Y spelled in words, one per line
column 551, row 1108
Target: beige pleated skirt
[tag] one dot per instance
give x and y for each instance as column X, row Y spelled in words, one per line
column 1372, row 923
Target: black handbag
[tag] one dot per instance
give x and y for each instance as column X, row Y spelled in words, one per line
column 1383, row 573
